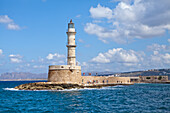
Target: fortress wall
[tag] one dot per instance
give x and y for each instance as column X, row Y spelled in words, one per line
column 72, row 74
column 64, row 74
column 119, row 80
column 105, row 80
column 153, row 78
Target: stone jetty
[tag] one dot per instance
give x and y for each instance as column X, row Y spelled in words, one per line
column 58, row 86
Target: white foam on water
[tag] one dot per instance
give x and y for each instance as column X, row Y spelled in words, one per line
column 103, row 88
column 120, row 86
column 11, row 89
column 74, row 89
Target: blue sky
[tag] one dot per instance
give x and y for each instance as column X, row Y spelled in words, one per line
column 112, row 35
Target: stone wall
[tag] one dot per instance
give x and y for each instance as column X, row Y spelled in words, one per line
column 64, row 74
column 151, row 79
column 72, row 74
column 105, row 80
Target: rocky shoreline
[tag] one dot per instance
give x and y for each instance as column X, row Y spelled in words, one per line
column 59, row 86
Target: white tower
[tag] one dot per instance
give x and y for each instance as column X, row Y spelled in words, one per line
column 71, row 56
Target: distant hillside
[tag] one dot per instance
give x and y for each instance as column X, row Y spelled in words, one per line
column 23, row 75
column 152, row 72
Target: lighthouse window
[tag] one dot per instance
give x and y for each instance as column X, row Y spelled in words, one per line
column 70, row 25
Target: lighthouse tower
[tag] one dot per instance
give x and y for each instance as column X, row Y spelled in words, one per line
column 70, row 73
column 71, row 46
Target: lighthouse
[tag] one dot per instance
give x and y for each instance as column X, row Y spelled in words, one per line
column 70, row 73
column 71, row 46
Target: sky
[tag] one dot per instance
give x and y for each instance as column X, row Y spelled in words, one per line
column 112, row 35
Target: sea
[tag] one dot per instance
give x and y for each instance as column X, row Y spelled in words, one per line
column 137, row 98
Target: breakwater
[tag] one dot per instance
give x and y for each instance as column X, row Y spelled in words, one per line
column 59, row 86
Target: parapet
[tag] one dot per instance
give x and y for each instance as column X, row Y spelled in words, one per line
column 63, row 67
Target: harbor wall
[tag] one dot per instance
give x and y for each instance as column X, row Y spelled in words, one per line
column 105, row 80
column 72, row 74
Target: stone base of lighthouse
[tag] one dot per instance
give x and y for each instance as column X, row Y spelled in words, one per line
column 64, row 74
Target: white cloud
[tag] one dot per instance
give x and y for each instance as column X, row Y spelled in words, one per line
column 166, row 58
column 81, row 40
column 160, row 59
column 101, row 12
column 129, row 20
column 54, row 59
column 156, row 47
column 38, row 66
column 13, row 26
column 78, row 16
column 159, row 48
column 101, row 58
column 5, row 19
column 103, row 33
column 155, row 52
column 169, row 40
column 97, row 21
column 119, row 55
column 9, row 22
column 15, row 58
column 119, row 60
column 54, row 56
column 1, row 51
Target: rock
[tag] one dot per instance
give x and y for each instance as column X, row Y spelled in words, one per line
column 57, row 86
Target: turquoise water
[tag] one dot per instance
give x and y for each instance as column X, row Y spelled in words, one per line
column 134, row 98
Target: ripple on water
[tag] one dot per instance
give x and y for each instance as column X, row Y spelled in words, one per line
column 134, row 98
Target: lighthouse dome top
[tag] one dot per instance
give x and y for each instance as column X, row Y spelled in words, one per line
column 71, row 24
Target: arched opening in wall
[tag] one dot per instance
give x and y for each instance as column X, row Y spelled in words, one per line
column 62, row 66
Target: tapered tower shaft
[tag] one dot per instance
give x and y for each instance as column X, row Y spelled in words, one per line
column 71, row 56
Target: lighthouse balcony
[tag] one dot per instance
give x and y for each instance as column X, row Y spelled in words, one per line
column 63, row 67
column 71, row 56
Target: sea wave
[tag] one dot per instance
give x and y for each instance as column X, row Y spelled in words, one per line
column 13, row 89
column 10, row 89
column 103, row 88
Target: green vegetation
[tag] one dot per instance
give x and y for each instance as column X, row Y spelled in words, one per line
column 160, row 77
column 148, row 77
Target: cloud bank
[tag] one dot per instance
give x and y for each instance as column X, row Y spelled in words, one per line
column 130, row 20
column 15, row 58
